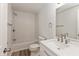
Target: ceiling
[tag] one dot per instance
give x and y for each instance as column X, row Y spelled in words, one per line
column 59, row 5
column 28, row 7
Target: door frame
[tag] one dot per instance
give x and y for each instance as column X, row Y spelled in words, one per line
column 78, row 24
column 4, row 29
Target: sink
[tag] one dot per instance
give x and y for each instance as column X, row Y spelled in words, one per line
column 58, row 44
column 70, row 49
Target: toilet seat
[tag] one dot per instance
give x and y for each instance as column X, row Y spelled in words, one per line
column 34, row 47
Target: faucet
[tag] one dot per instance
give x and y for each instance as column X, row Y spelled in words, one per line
column 58, row 38
column 66, row 41
column 65, row 37
column 61, row 37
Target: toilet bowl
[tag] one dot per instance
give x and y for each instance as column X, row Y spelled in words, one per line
column 35, row 47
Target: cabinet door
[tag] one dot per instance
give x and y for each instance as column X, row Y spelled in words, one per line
column 42, row 51
column 45, row 52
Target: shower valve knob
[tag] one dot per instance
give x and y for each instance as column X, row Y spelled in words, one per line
column 13, row 30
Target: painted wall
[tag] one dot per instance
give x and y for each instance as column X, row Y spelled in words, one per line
column 3, row 25
column 46, row 16
column 68, row 18
column 39, row 23
column 36, row 27
column 24, row 25
column 10, row 25
column 0, row 25
column 5, row 18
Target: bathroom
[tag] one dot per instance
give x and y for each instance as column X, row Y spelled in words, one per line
column 39, row 29
column 27, row 22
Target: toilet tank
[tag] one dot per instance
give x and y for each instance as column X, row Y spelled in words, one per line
column 41, row 38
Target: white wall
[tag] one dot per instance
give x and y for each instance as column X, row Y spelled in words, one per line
column 0, row 25
column 47, row 15
column 68, row 18
column 9, row 27
column 36, row 26
column 43, row 18
column 24, row 24
column 3, row 24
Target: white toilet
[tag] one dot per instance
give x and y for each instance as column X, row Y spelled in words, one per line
column 35, row 47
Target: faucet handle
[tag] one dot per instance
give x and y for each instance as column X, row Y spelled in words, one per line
column 61, row 37
column 65, row 35
column 66, row 41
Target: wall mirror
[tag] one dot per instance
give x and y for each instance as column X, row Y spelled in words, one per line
column 67, row 20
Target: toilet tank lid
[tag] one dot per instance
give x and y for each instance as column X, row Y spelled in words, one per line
column 41, row 38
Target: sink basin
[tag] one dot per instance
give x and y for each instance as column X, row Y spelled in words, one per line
column 58, row 44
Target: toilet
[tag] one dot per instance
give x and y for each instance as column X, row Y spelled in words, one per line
column 35, row 47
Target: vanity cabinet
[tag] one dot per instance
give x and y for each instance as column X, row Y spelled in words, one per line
column 45, row 51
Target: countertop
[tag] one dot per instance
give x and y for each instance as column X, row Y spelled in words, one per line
column 71, row 50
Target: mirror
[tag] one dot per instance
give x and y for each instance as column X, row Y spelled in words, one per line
column 67, row 20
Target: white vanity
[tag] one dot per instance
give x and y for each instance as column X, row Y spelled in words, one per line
column 52, row 47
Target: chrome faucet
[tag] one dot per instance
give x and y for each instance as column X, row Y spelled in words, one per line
column 61, row 37
column 58, row 37
column 66, row 41
column 65, row 37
